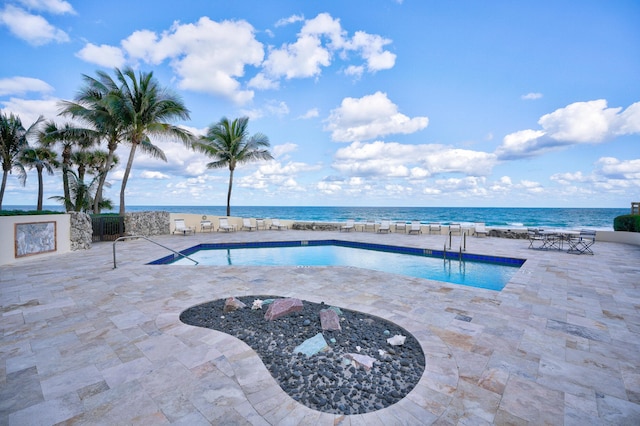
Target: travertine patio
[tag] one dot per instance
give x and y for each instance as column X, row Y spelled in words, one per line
column 83, row 343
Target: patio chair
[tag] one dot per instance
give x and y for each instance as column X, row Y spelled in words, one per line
column 533, row 234
column 206, row 225
column 401, row 226
column 385, row 226
column 350, row 226
column 224, row 225
column 480, row 229
column 455, row 228
column 246, row 224
column 260, row 224
column 435, row 228
column 181, row 228
column 275, row 223
column 581, row 244
column 416, row 227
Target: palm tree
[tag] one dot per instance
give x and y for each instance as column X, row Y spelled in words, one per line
column 144, row 108
column 40, row 158
column 13, row 140
column 69, row 136
column 93, row 108
column 229, row 144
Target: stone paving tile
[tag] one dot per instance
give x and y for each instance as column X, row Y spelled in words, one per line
column 83, row 343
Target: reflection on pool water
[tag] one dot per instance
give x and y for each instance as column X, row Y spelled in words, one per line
column 484, row 272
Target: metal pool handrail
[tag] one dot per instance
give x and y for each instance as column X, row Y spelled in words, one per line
column 151, row 241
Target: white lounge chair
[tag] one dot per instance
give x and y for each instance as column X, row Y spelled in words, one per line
column 350, row 226
column 435, row 228
column 181, row 227
column 224, row 225
column 370, row 225
column 416, row 227
column 275, row 223
column 246, row 224
column 206, row 225
column 401, row 226
column 480, row 229
column 385, row 226
column 260, row 224
column 455, row 228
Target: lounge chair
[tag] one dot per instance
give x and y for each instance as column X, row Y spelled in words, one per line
column 275, row 223
column 350, row 226
column 181, row 228
column 401, row 226
column 582, row 243
column 435, row 228
column 246, row 224
column 385, row 226
column 455, row 228
column 416, row 227
column 224, row 225
column 369, row 225
column 260, row 224
column 206, row 225
column 480, row 229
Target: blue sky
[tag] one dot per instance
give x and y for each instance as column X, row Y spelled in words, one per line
column 365, row 103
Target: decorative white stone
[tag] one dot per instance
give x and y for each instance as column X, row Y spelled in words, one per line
column 257, row 304
column 396, row 340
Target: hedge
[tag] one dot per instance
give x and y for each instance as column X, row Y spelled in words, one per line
column 627, row 222
column 27, row 212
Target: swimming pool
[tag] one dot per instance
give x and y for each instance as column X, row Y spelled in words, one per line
column 489, row 272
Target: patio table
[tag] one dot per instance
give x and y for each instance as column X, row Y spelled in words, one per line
column 554, row 239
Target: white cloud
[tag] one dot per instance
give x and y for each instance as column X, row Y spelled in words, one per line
column 270, row 108
column 354, row 70
column 33, row 29
column 369, row 117
column 290, row 20
column 285, row 148
column 22, row 85
column 312, row 113
column 531, row 96
column 149, row 174
column 103, row 55
column 616, row 169
column 262, row 82
column 58, row 7
column 304, row 58
column 30, row 110
column 208, row 56
column 577, row 123
column 392, row 159
column 371, row 47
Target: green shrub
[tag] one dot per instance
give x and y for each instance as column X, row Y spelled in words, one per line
column 627, row 222
column 26, row 212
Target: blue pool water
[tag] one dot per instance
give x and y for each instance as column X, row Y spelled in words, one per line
column 484, row 272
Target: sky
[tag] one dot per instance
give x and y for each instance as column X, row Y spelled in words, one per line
column 365, row 102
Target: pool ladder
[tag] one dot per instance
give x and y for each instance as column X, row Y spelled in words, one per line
column 128, row 237
column 463, row 245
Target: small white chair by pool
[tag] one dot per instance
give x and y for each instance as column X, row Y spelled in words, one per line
column 416, row 227
column 480, row 229
column 350, row 226
column 181, row 227
column 275, row 223
column 455, row 228
column 435, row 228
column 401, row 226
column 260, row 224
column 385, row 226
column 225, row 226
column 246, row 224
column 206, row 225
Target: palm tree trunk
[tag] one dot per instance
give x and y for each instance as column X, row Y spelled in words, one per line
column 125, row 178
column 4, row 185
column 101, row 180
column 40, row 188
column 229, row 193
column 65, row 187
column 81, row 188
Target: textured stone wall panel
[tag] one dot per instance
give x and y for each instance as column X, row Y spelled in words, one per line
column 147, row 223
column 81, row 231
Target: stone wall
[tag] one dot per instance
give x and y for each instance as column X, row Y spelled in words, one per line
column 81, row 231
column 315, row 226
column 147, row 223
column 508, row 233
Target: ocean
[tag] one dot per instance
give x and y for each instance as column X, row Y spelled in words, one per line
column 511, row 217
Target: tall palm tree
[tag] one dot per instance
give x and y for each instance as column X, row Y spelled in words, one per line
column 93, row 108
column 13, row 140
column 144, row 108
column 229, row 144
column 41, row 159
column 69, row 137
